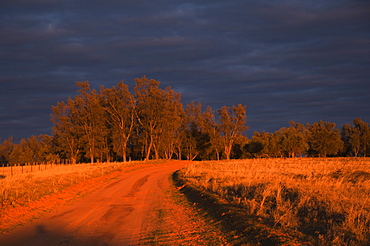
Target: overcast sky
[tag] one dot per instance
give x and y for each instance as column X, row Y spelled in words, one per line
column 286, row 60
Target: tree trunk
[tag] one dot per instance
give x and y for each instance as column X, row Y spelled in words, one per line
column 148, row 150
column 156, row 153
column 91, row 156
column 124, row 156
column 228, row 151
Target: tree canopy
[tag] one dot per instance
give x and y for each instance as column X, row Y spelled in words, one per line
column 115, row 124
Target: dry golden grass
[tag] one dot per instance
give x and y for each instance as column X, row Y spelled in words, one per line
column 326, row 199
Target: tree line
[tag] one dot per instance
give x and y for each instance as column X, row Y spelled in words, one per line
column 113, row 124
column 320, row 139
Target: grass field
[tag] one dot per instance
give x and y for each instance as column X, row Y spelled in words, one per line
column 313, row 201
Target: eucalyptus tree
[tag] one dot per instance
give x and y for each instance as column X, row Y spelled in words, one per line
column 363, row 129
column 174, row 127
column 266, row 144
column 159, row 114
column 67, row 135
column 293, row 140
column 197, row 140
column 351, row 139
column 232, row 124
column 357, row 137
column 119, row 105
column 32, row 149
column 6, row 148
column 21, row 153
column 324, row 139
column 209, row 125
column 88, row 115
column 258, row 145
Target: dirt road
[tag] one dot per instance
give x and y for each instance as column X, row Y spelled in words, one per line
column 133, row 209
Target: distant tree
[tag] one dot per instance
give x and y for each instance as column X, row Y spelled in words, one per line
column 33, row 149
column 21, row 153
column 238, row 150
column 45, row 149
column 254, row 147
column 232, row 124
column 293, row 140
column 172, row 126
column 159, row 115
column 210, row 127
column 275, row 148
column 192, row 130
column 120, row 107
column 6, row 148
column 197, row 139
column 357, row 137
column 324, row 139
column 89, row 115
column 265, row 144
column 67, row 134
column 351, row 139
column 363, row 130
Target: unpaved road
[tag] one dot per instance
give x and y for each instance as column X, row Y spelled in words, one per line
column 130, row 210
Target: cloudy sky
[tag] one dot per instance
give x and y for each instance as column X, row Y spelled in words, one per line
column 301, row 60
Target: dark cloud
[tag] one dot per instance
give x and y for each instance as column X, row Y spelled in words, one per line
column 287, row 60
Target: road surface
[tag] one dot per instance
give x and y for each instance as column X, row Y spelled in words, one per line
column 120, row 213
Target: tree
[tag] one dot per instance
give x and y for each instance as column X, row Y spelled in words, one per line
column 363, row 130
column 120, row 105
column 45, row 149
column 210, row 127
column 270, row 144
column 33, row 149
column 6, row 149
column 351, row 139
column 89, row 115
column 67, row 135
column 357, row 137
column 254, row 147
column 324, row 139
column 159, row 114
column 293, row 139
column 233, row 120
column 196, row 140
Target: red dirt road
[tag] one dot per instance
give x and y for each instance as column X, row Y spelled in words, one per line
column 130, row 210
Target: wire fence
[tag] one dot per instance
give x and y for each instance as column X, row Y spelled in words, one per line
column 7, row 170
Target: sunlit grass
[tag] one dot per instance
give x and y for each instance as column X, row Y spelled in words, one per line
column 326, row 199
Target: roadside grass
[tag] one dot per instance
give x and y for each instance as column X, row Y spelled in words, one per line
column 301, row 201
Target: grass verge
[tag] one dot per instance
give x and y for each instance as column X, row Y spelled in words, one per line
column 298, row 201
column 239, row 227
